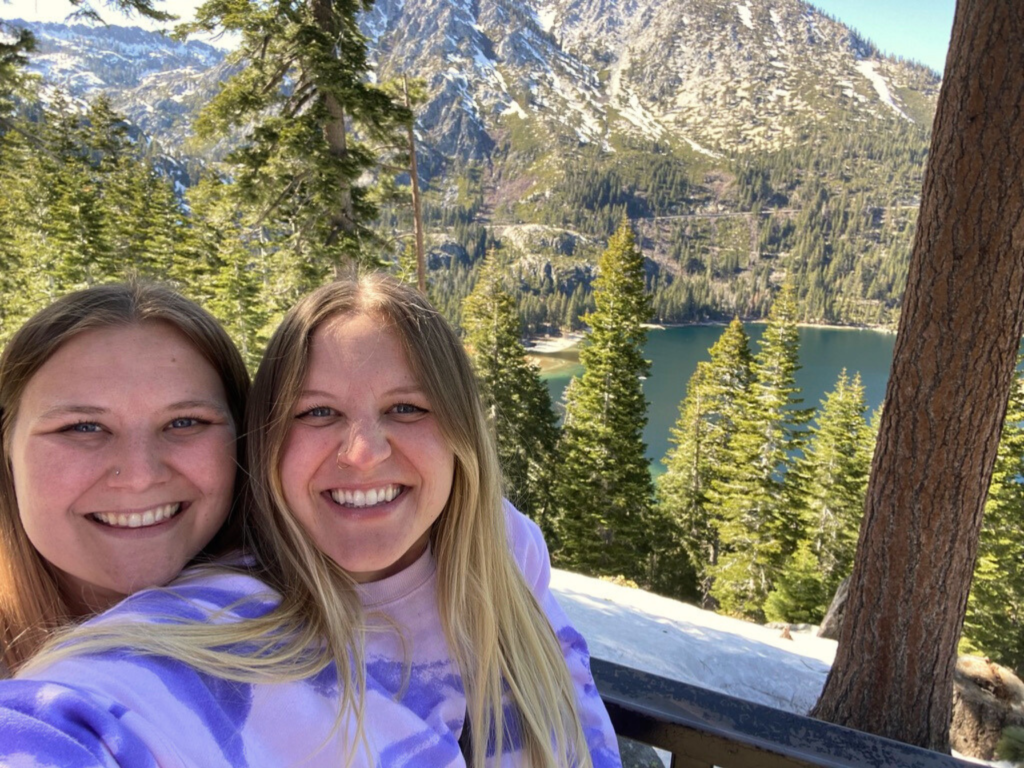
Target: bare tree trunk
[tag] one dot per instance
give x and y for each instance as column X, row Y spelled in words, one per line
column 342, row 218
column 414, row 182
column 946, row 398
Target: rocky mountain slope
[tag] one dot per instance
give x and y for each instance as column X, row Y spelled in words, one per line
column 713, row 77
column 546, row 121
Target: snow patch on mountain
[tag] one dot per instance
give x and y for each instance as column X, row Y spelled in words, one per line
column 746, row 17
column 870, row 70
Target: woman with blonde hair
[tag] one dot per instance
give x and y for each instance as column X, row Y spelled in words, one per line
column 119, row 407
column 395, row 604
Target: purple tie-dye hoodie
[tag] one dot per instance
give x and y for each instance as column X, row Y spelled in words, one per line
column 119, row 709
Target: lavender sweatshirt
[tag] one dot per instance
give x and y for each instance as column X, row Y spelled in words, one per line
column 119, row 709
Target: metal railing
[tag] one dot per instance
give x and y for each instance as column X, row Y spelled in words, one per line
column 703, row 728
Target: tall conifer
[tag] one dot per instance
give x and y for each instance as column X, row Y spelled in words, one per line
column 994, row 625
column 834, row 471
column 516, row 400
column 760, row 524
column 306, row 107
column 715, row 397
column 603, row 487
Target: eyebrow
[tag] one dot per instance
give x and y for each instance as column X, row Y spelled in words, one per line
column 183, row 405
column 68, row 410
column 410, row 389
column 95, row 410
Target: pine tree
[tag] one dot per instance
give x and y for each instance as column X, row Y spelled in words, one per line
column 215, row 266
column 80, row 207
column 834, row 471
column 603, row 486
column 760, row 525
column 307, row 108
column 714, row 400
column 515, row 398
column 994, row 625
column 15, row 45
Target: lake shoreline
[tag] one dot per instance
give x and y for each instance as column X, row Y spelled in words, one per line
column 541, row 345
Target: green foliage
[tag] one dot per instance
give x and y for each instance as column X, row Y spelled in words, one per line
column 145, row 8
column 220, row 268
column 834, row 475
column 760, row 526
column 313, row 126
column 79, row 206
column 603, row 485
column 715, row 397
column 15, row 45
column 1011, row 745
column 799, row 591
column 994, row 624
column 516, row 400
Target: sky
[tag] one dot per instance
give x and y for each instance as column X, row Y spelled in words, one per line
column 914, row 29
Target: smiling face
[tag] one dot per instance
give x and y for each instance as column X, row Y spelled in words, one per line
column 364, row 467
column 123, row 459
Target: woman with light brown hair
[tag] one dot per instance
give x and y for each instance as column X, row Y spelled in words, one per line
column 395, row 604
column 120, row 407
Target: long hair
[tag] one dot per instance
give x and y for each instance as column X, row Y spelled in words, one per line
column 31, row 603
column 498, row 633
column 499, row 636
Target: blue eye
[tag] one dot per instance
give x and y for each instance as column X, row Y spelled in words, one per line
column 407, row 409
column 317, row 412
column 184, row 422
column 83, row 428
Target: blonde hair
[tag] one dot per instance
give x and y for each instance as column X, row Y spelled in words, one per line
column 499, row 636
column 31, row 603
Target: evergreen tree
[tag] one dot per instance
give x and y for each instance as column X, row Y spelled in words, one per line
column 16, row 300
column 760, row 524
column 603, row 485
column 79, row 207
column 15, row 44
column 216, row 266
column 307, row 109
column 834, row 471
column 516, row 399
column 994, row 625
column 699, row 456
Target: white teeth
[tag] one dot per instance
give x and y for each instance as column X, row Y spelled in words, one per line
column 370, row 498
column 138, row 519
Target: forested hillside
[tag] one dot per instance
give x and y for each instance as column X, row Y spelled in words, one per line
column 782, row 147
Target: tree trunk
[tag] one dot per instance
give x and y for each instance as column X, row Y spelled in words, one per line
column 946, row 399
column 414, row 182
column 342, row 218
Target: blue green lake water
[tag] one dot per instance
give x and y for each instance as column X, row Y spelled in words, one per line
column 675, row 352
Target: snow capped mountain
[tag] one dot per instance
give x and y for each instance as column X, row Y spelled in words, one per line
column 717, row 76
column 87, row 58
column 542, row 77
column 156, row 82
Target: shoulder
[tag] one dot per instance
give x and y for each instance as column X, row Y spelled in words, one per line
column 528, row 548
column 203, row 593
column 524, row 536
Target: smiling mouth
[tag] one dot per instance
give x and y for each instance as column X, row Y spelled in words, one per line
column 138, row 519
column 369, row 498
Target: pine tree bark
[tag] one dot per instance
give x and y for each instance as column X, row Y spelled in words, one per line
column 946, row 398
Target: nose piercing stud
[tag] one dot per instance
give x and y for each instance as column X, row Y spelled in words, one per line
column 117, row 471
